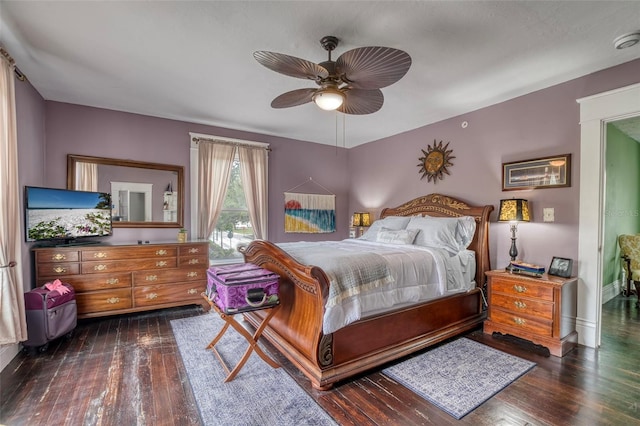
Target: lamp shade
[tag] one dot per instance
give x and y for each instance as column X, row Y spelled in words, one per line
column 361, row 219
column 328, row 99
column 514, row 210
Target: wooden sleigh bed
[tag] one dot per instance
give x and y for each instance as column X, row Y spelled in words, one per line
column 296, row 328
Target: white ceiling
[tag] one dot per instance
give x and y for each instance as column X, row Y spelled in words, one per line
column 192, row 61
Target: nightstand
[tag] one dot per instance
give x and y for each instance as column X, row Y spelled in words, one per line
column 541, row 310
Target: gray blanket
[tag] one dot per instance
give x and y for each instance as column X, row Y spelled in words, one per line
column 350, row 271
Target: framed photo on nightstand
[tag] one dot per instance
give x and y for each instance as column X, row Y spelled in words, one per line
column 561, row 267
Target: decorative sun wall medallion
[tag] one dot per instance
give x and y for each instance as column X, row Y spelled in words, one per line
column 435, row 161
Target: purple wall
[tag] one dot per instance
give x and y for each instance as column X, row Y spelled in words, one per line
column 385, row 173
column 75, row 129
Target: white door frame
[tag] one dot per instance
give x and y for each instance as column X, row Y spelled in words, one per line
column 595, row 112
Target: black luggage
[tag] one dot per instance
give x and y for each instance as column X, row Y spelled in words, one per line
column 51, row 312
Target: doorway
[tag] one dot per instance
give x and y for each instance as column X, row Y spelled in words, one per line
column 595, row 112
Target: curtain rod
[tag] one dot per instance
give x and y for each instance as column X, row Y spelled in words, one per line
column 223, row 142
column 12, row 63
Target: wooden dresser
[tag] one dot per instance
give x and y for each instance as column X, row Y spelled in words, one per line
column 117, row 279
column 542, row 310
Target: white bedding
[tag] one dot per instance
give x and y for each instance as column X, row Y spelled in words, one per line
column 417, row 274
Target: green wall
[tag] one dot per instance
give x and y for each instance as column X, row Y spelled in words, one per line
column 622, row 198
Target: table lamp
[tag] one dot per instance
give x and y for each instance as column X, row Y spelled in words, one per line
column 513, row 211
column 361, row 220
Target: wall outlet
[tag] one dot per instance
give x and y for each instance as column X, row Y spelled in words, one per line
column 548, row 214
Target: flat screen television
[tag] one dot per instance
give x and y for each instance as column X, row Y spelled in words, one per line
column 63, row 216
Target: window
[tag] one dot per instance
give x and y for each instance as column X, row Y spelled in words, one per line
column 234, row 224
column 227, row 203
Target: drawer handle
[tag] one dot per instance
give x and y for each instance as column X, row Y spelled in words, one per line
column 520, row 288
column 113, row 300
column 100, row 255
column 161, row 263
column 113, row 281
column 59, row 270
column 194, row 250
column 192, row 291
column 58, row 256
column 192, row 274
column 194, row 261
column 161, row 252
column 519, row 321
column 520, row 304
column 151, row 278
column 152, row 296
column 101, row 267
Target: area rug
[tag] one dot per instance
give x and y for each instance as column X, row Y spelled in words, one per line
column 259, row 394
column 459, row 376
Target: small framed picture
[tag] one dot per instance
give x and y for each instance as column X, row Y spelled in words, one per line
column 561, row 267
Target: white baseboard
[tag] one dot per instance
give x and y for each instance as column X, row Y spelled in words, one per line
column 586, row 333
column 611, row 290
column 7, row 353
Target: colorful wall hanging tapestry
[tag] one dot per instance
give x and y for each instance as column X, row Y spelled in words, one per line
column 309, row 213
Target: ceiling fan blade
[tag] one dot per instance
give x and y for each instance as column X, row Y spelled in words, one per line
column 293, row 98
column 372, row 67
column 360, row 102
column 290, row 65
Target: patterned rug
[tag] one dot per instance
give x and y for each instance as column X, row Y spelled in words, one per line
column 259, row 395
column 459, row 376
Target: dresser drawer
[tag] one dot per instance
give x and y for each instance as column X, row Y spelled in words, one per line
column 84, row 283
column 522, row 322
column 202, row 261
column 57, row 270
column 520, row 305
column 142, row 278
column 136, row 252
column 167, row 293
column 57, row 255
column 101, row 301
column 522, row 288
column 127, row 265
column 193, row 249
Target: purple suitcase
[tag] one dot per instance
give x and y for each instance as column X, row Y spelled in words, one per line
column 49, row 315
column 243, row 287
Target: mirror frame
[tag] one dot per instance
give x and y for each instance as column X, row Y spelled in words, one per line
column 72, row 160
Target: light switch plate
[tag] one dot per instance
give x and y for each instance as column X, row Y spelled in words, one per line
column 548, row 214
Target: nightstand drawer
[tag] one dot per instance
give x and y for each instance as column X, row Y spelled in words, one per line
column 522, row 322
column 520, row 305
column 522, row 288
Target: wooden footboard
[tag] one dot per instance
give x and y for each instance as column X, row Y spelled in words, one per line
column 296, row 329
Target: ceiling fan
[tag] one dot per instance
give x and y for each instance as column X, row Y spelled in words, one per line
column 351, row 84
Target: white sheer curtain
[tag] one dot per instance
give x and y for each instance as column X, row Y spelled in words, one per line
column 214, row 170
column 13, row 327
column 253, row 171
column 86, row 176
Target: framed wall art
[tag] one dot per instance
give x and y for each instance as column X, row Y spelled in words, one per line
column 547, row 172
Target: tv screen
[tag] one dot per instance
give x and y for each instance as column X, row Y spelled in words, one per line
column 65, row 215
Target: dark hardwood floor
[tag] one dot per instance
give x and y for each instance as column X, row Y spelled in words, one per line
column 126, row 370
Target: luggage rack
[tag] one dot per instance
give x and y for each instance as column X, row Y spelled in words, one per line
column 229, row 320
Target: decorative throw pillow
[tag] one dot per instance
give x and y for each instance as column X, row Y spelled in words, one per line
column 390, row 222
column 401, row 236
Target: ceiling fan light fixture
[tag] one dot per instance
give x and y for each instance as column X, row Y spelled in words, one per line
column 328, row 99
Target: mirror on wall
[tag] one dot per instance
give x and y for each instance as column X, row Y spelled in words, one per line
column 144, row 195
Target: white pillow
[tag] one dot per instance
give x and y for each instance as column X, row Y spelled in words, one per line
column 435, row 233
column 401, row 236
column 453, row 234
column 393, row 223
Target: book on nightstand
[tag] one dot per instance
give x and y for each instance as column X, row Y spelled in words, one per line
column 518, row 266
